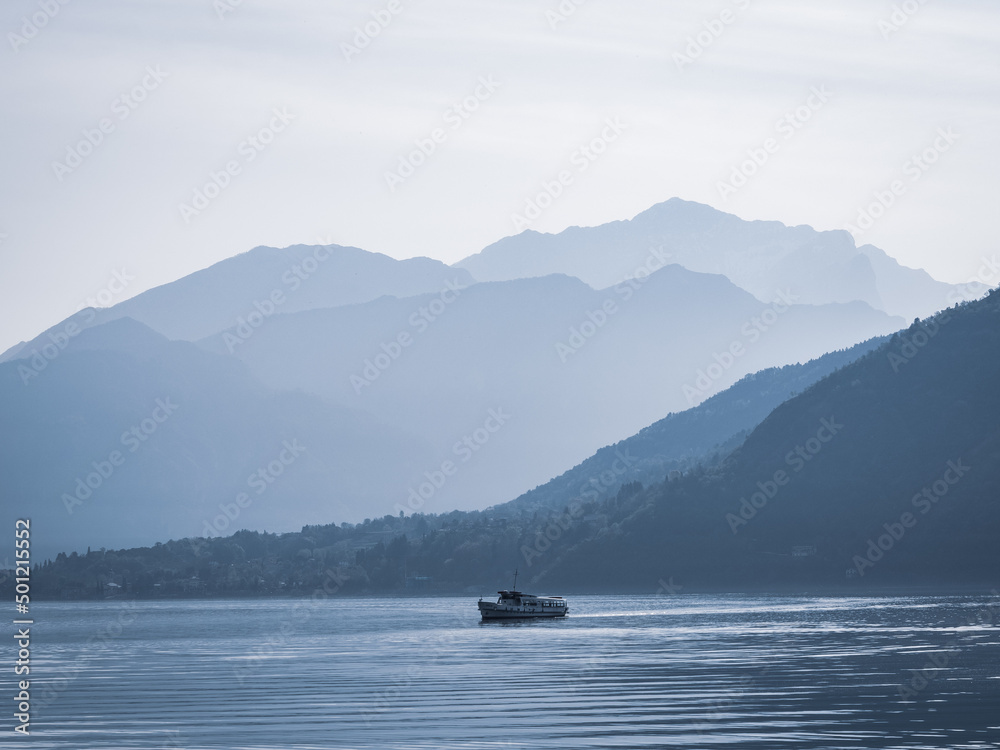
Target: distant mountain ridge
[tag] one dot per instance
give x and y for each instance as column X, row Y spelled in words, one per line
column 575, row 367
column 762, row 257
column 266, row 281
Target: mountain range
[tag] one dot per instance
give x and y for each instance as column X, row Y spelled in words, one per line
column 415, row 386
column 881, row 474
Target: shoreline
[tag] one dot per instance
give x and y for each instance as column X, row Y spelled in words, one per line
column 840, row 592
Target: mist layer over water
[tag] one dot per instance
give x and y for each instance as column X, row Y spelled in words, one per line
column 619, row 672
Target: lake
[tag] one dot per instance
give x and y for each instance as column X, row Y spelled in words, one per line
column 683, row 671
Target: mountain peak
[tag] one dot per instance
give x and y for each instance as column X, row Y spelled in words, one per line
column 279, row 280
column 761, row 257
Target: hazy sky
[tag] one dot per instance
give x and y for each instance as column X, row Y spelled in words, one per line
column 184, row 88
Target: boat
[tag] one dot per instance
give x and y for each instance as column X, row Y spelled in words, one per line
column 514, row 604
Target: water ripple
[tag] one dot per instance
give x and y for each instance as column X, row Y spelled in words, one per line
column 620, row 672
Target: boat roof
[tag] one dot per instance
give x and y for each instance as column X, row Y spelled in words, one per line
column 505, row 592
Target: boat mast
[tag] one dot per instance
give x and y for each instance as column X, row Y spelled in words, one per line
column 515, row 579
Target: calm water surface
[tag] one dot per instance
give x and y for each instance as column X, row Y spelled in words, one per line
column 620, row 672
